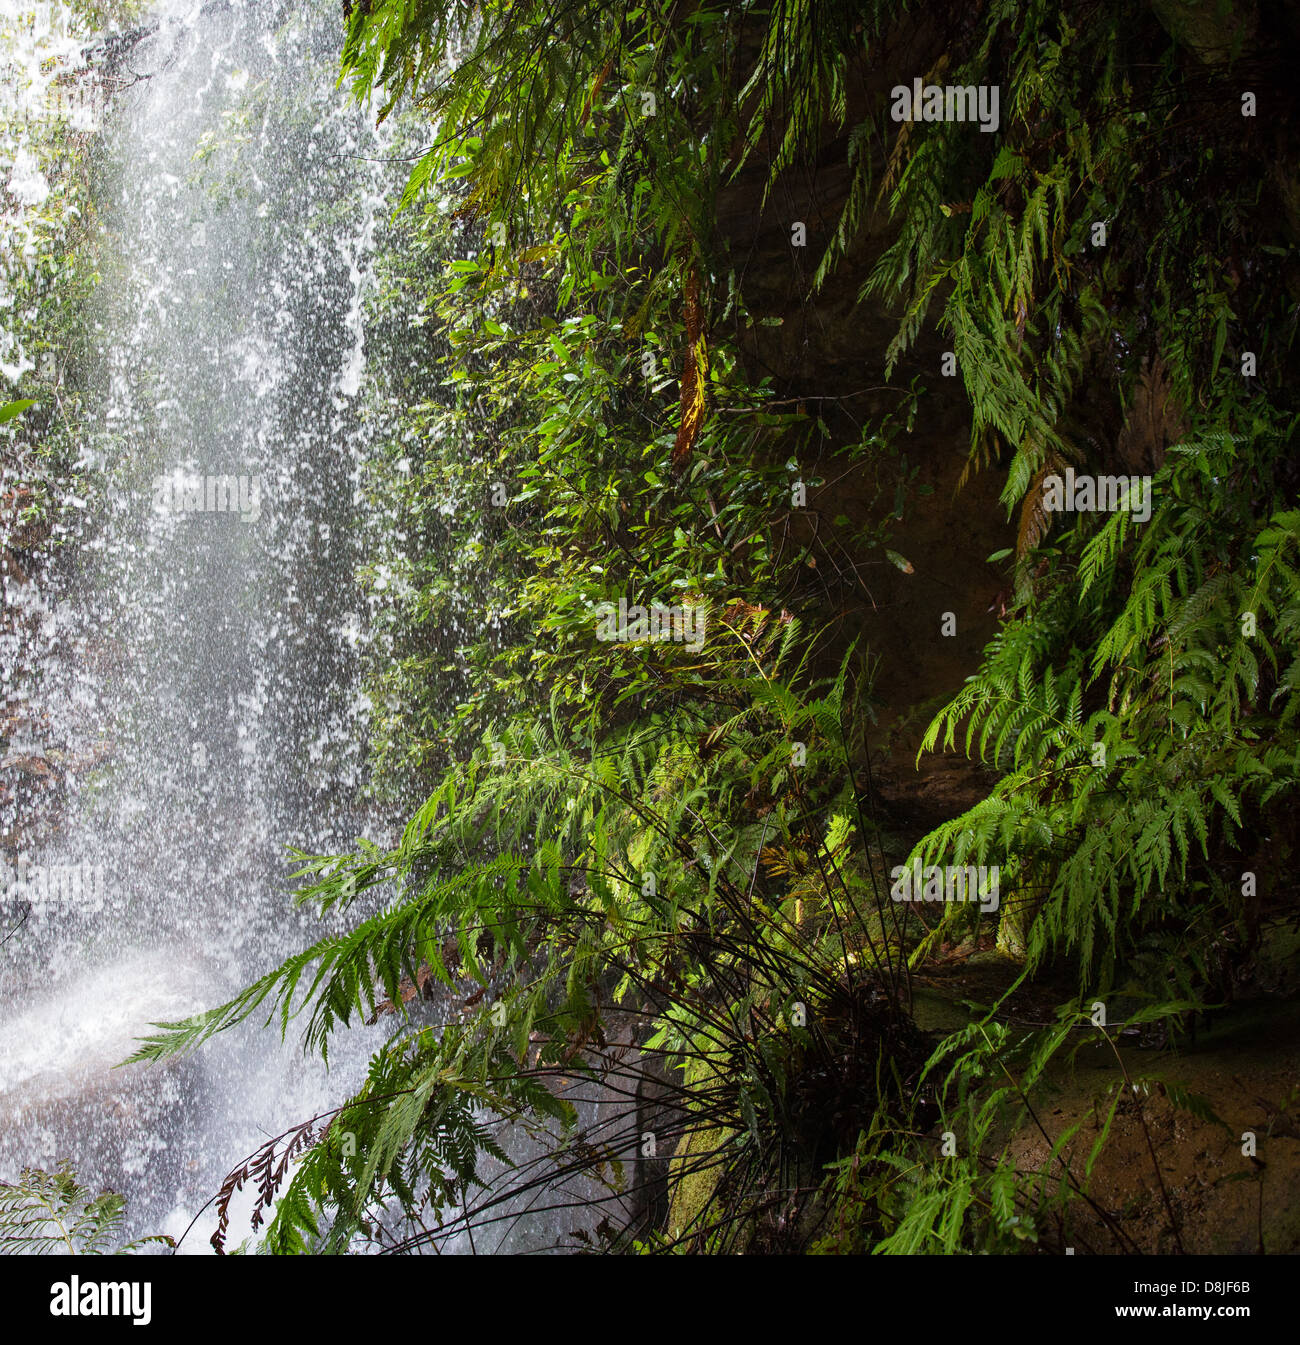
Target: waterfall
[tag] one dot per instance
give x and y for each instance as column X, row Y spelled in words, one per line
column 199, row 704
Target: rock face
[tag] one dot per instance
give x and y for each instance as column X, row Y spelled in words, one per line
column 22, row 527
column 1226, row 1202
column 928, row 619
column 1215, row 32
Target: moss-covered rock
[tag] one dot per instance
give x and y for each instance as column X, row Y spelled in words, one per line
column 1214, row 30
column 696, row 1168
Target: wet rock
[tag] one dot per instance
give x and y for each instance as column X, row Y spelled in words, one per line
column 12, row 567
column 22, row 527
column 1215, row 32
column 33, row 764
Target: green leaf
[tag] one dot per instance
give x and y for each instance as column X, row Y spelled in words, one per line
column 12, row 409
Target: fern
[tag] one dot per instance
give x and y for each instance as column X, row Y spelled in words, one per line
column 47, row 1213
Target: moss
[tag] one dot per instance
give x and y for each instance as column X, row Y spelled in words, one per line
column 696, row 1169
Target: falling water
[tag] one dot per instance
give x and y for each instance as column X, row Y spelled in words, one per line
column 199, row 689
